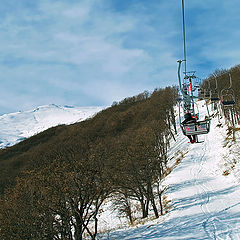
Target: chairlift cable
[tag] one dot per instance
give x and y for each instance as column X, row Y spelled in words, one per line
column 184, row 39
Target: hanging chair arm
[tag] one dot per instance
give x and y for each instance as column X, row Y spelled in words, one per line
column 209, row 84
column 180, row 82
column 230, row 80
column 216, row 83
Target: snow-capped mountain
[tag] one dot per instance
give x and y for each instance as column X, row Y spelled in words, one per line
column 15, row 127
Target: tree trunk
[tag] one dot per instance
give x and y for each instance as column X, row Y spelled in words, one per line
column 78, row 229
column 129, row 211
column 160, row 192
column 144, row 208
column 95, row 227
column 151, row 198
column 154, row 208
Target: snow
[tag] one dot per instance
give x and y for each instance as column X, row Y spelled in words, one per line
column 205, row 202
column 17, row 126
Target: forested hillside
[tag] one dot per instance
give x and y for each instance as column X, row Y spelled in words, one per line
column 223, row 82
column 55, row 182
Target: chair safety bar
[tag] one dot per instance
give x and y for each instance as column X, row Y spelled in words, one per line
column 200, row 127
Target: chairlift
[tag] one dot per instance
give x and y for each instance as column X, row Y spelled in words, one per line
column 227, row 95
column 200, row 93
column 214, row 94
column 198, row 127
column 206, row 94
column 207, row 91
column 196, row 85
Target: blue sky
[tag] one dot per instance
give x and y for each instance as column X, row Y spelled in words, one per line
column 94, row 52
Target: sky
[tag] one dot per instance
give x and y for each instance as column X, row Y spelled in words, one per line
column 95, row 52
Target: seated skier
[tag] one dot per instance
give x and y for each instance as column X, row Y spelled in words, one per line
column 190, row 119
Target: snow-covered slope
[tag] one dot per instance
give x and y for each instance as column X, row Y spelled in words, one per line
column 204, row 191
column 15, row 127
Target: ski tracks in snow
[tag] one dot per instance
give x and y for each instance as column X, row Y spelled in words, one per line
column 202, row 191
column 205, row 204
column 213, row 226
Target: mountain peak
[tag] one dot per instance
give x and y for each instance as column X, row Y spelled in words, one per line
column 14, row 127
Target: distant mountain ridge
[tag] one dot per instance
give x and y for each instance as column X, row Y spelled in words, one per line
column 15, row 127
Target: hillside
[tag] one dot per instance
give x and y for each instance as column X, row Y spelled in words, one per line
column 127, row 162
column 71, row 170
column 221, row 78
column 203, row 190
column 16, row 127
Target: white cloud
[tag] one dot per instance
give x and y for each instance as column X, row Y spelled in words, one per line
column 104, row 53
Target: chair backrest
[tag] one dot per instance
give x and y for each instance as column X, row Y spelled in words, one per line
column 214, row 99
column 228, row 103
column 200, row 127
column 228, row 96
column 214, row 96
column 207, row 94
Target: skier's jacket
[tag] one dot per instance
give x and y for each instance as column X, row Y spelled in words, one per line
column 189, row 118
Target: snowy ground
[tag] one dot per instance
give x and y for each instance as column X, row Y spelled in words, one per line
column 204, row 191
column 15, row 127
